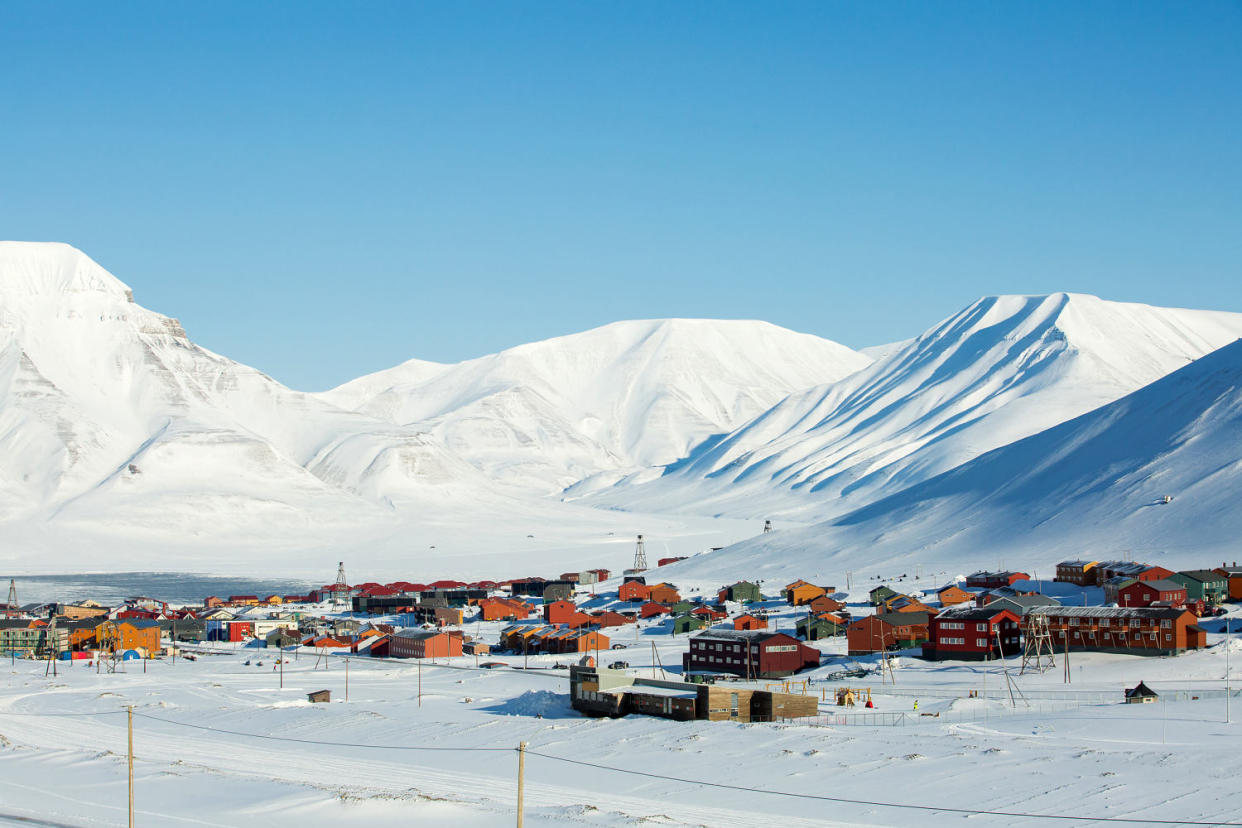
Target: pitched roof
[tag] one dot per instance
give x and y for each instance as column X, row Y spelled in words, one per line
column 972, row 613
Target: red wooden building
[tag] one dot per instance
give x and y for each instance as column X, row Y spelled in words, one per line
column 1146, row 593
column 415, row 643
column 973, row 634
column 891, row 631
column 749, row 653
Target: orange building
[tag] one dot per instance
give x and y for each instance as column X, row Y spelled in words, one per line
column 953, row 594
column 130, row 634
column 501, row 609
column 825, row 604
column 663, row 594
column 800, row 592
column 634, row 591
column 559, row 612
column 750, row 622
column 424, row 644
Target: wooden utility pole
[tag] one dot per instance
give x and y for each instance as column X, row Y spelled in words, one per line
column 521, row 780
column 131, row 766
column 281, row 659
column 420, row 682
column 347, row 679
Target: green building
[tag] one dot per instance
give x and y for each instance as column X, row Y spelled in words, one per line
column 18, row 637
column 742, row 592
column 813, row 629
column 881, row 594
column 1203, row 585
column 688, row 623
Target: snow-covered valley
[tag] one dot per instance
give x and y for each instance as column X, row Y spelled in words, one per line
column 124, row 445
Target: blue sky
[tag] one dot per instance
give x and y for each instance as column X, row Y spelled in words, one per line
column 323, row 190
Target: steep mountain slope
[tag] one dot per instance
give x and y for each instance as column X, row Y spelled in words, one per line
column 1004, row 368
column 1091, row 487
column 109, row 412
column 605, row 402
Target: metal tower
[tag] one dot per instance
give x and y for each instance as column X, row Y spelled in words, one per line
column 1036, row 645
column 640, row 556
column 767, row 526
column 340, row 590
column 13, row 593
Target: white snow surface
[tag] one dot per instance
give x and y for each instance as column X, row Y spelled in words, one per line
column 123, row 445
column 609, row 401
column 1004, row 368
column 1093, row 488
column 219, row 742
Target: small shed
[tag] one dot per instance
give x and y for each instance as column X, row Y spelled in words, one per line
column 319, row 696
column 1141, row 694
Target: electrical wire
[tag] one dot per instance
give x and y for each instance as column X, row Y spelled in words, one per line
column 874, row 803
column 58, row 715
column 318, row 741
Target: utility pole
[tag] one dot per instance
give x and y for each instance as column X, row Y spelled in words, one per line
column 131, row 766
column 1227, row 642
column 281, row 660
column 420, row 682
column 521, row 780
column 346, row 679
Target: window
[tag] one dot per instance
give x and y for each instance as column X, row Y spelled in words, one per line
column 981, row 627
column 782, row 648
column 1135, row 623
column 981, row 642
column 1073, row 622
column 1104, row 622
column 1166, row 623
column 1168, row 637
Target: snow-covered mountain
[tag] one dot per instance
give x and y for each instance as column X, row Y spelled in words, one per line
column 1093, row 487
column 600, row 404
column 108, row 412
column 1000, row 370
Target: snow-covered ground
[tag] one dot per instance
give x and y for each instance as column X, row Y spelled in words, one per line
column 219, row 742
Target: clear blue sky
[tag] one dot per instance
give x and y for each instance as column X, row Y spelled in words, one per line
column 326, row 189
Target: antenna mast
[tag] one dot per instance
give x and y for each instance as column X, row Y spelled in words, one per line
column 341, row 587
column 640, row 556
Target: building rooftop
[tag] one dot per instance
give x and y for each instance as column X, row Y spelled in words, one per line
column 1109, row 612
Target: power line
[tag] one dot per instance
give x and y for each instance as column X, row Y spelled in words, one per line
column 58, row 715
column 971, row 811
column 317, row 741
column 659, row 776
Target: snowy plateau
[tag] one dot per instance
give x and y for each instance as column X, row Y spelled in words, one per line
column 121, row 439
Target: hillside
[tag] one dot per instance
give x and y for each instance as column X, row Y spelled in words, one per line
column 1091, row 487
column 1002, row 369
column 609, row 401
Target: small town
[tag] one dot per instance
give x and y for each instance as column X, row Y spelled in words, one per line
column 700, row 647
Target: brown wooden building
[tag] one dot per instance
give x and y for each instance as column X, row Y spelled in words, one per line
column 1135, row 630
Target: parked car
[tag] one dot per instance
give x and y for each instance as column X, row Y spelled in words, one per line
column 619, row 665
column 490, row 664
column 618, row 646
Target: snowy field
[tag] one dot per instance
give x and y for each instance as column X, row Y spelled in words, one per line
column 218, row 742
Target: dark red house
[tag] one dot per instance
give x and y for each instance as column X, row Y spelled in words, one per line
column 749, row 653
column 1146, row 593
column 973, row 634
